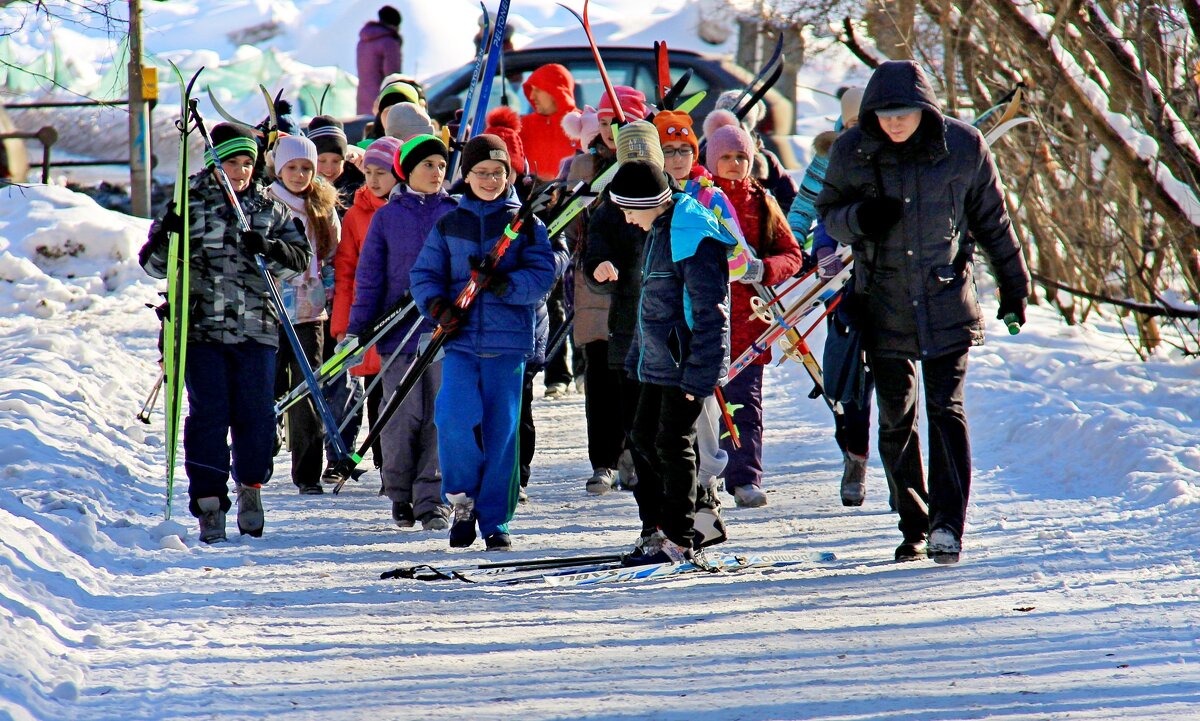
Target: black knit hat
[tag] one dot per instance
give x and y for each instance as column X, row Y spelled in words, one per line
column 328, row 134
column 485, row 147
column 410, row 155
column 638, row 184
column 230, row 140
column 389, row 16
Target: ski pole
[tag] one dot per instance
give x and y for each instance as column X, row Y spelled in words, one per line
column 727, row 417
column 379, row 376
column 410, row 571
column 144, row 414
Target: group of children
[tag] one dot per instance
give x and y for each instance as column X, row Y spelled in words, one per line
column 351, row 232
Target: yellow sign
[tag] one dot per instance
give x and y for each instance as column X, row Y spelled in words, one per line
column 149, row 82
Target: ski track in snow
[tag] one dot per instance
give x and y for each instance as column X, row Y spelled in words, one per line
column 1075, row 597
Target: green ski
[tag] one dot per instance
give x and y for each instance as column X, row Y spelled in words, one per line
column 175, row 325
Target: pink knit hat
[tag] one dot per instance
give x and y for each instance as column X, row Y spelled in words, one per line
column 633, row 102
column 382, row 152
column 723, row 134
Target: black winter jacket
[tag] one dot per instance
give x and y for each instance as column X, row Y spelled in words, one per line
column 611, row 238
column 917, row 277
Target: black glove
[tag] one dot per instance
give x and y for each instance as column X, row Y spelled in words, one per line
column 489, row 278
column 876, row 216
column 254, row 243
column 447, row 315
column 169, row 223
column 1014, row 307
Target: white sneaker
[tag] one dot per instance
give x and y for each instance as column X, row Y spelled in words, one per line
column 749, row 497
column 626, row 472
column 601, row 482
column 555, row 390
column 942, row 546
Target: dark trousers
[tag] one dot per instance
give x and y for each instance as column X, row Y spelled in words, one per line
column 525, row 427
column 945, row 502
column 664, row 442
column 852, row 427
column 745, row 463
column 374, row 401
column 306, row 434
column 230, row 396
column 602, row 405
column 342, row 395
column 556, row 366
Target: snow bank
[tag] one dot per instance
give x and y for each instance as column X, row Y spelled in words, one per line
column 60, row 251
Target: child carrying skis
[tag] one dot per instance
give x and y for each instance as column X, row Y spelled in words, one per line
column 233, row 333
column 479, row 405
column 412, row 478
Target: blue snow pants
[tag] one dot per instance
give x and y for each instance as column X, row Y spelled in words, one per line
column 476, row 413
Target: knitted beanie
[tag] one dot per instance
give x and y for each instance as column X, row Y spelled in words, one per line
column 673, row 127
column 293, row 147
column 484, row 147
column 504, row 123
column 639, row 185
column 397, row 91
column 407, row 120
column 382, row 153
column 582, row 126
column 414, row 151
column 723, row 135
column 389, row 16
column 851, row 102
column 328, row 134
column 633, row 103
column 639, row 141
column 230, row 140
column 728, row 101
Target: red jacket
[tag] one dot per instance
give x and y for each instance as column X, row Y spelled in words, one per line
column 345, row 263
column 544, row 140
column 769, row 236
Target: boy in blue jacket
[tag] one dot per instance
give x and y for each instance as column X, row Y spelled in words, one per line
column 479, row 405
column 680, row 349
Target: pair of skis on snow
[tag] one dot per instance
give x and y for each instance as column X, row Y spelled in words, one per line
column 604, row 569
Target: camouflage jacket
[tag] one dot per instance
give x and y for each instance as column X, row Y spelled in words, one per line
column 230, row 302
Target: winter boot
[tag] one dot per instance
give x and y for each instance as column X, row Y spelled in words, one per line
column 943, row 546
column 708, row 524
column 402, row 514
column 499, row 541
column 910, row 550
column 556, row 390
column 854, row 480
column 626, row 472
column 668, row 552
column 462, row 531
column 601, row 482
column 749, row 496
column 250, row 510
column 435, row 520
column 212, row 520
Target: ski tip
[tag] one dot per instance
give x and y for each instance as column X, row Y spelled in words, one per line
column 825, row 557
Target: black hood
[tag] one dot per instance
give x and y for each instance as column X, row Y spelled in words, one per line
column 898, row 83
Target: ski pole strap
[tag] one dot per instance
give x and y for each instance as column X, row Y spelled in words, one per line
column 510, row 232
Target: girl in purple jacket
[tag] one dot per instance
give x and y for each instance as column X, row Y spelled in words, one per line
column 411, row 475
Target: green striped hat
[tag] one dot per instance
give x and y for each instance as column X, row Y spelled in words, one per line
column 230, row 140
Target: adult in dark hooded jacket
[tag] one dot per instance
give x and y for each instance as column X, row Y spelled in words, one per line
column 914, row 193
column 551, row 91
column 379, row 54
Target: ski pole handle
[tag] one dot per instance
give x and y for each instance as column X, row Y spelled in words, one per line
column 1010, row 320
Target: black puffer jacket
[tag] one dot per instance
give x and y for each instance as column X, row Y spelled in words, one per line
column 611, row 238
column 921, row 294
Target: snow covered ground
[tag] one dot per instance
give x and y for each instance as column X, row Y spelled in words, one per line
column 1076, row 596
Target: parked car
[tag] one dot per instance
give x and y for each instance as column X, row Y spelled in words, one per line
column 626, row 66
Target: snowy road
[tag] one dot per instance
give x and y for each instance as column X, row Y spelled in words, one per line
column 1076, row 596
